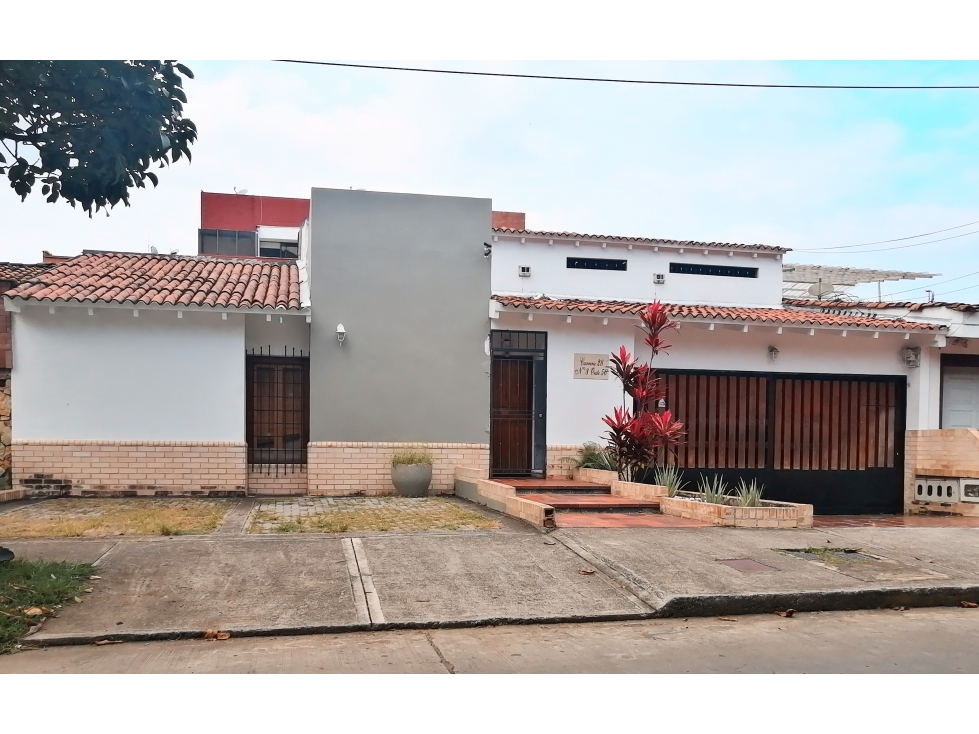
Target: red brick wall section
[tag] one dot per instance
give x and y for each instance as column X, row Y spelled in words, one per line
column 6, row 350
column 509, row 220
column 244, row 213
column 130, row 468
column 277, row 483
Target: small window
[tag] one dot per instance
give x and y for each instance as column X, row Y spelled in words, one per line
column 277, row 248
column 596, row 263
column 726, row 271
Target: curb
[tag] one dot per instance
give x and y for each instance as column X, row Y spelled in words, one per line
column 678, row 606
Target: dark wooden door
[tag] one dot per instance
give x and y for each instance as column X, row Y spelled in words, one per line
column 512, row 432
column 277, row 409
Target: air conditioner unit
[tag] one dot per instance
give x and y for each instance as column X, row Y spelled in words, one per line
column 938, row 489
column 524, row 271
column 969, row 490
column 659, row 278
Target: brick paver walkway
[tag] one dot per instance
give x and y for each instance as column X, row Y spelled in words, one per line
column 385, row 513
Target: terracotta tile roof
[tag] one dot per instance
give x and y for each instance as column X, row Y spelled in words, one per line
column 874, row 305
column 774, row 315
column 167, row 280
column 639, row 240
column 19, row 272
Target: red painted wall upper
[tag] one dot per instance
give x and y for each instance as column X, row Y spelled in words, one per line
column 245, row 213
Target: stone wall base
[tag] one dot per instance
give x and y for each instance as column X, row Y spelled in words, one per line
column 130, row 468
column 340, row 468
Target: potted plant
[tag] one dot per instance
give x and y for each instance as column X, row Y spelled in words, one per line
column 411, row 472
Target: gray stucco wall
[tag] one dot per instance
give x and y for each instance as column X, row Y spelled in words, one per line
column 406, row 276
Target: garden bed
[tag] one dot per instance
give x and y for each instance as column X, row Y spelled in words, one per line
column 768, row 514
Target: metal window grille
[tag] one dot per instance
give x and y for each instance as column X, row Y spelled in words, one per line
column 278, row 413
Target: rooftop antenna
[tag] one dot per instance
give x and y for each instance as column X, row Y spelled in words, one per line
column 931, row 296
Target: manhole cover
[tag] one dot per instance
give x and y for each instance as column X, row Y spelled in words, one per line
column 746, row 565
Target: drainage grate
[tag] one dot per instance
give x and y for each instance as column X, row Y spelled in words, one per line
column 746, row 565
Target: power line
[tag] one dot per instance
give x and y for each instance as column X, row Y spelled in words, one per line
column 899, row 239
column 899, row 247
column 930, row 286
column 551, row 77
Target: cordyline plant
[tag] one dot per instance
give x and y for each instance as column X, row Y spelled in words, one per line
column 638, row 437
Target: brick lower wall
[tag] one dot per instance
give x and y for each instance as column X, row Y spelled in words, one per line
column 126, row 468
column 558, row 464
column 949, row 452
column 347, row 468
column 278, row 483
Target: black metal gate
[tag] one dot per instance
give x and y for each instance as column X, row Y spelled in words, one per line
column 277, row 412
column 836, row 442
column 518, row 399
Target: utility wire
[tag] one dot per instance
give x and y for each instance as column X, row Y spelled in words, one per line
column 885, row 249
column 931, row 286
column 550, row 77
column 899, row 239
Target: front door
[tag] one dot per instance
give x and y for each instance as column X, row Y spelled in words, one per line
column 518, row 397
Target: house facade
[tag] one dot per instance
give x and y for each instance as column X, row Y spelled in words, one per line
column 309, row 339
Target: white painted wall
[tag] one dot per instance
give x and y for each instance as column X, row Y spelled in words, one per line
column 115, row 377
column 283, row 334
column 550, row 274
column 575, row 407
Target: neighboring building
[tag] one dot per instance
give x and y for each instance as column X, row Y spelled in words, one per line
column 386, row 319
column 11, row 275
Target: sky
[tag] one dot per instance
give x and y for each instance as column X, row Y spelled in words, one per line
column 804, row 169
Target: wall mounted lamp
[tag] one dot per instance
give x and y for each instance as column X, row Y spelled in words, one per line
column 341, row 333
column 773, row 353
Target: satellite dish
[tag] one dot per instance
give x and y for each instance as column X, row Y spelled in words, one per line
column 243, row 191
column 820, row 289
column 174, row 252
column 154, row 251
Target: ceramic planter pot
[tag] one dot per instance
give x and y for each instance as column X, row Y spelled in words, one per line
column 411, row 480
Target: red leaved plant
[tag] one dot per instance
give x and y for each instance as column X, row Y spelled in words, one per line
column 637, row 441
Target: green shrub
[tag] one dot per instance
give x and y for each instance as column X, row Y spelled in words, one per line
column 594, row 456
column 411, row 456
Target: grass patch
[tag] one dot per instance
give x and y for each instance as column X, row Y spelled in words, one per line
column 33, row 590
column 97, row 518
column 424, row 514
column 826, row 555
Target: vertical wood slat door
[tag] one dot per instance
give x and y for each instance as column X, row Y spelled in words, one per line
column 512, row 415
column 724, row 417
column 845, row 425
column 813, row 424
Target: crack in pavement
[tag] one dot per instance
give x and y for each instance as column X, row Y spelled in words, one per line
column 442, row 659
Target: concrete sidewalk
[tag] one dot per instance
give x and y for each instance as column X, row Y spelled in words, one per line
column 178, row 587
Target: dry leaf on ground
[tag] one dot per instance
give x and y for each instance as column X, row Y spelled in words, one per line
column 216, row 635
column 727, row 619
column 107, row 642
column 587, row 571
column 36, row 611
column 786, row 613
column 968, row 604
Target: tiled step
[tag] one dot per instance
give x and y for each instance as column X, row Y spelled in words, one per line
column 623, row 520
column 592, row 502
column 555, row 486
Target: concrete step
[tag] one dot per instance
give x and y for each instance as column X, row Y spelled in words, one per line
column 555, row 486
column 592, row 502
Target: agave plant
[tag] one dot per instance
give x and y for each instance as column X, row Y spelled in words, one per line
column 670, row 477
column 713, row 490
column 748, row 494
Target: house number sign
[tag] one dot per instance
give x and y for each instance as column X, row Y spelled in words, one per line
column 591, row 366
